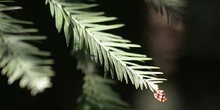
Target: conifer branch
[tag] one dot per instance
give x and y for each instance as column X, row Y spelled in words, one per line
column 97, row 92
column 18, row 58
column 88, row 33
column 174, row 8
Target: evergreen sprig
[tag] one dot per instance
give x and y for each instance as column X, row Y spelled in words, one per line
column 174, row 8
column 97, row 92
column 86, row 30
column 19, row 59
column 98, row 95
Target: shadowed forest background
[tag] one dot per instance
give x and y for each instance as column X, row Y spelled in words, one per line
column 192, row 80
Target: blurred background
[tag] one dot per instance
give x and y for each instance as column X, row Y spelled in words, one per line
column 188, row 52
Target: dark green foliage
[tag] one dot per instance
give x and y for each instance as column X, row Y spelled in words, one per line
column 86, row 32
column 19, row 59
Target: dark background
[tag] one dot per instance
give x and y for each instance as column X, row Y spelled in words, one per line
column 198, row 69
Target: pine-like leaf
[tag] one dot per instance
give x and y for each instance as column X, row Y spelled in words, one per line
column 97, row 92
column 174, row 8
column 86, row 30
column 98, row 95
column 19, row 59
